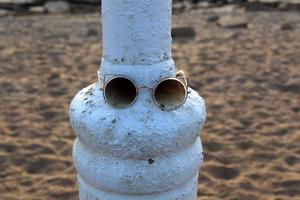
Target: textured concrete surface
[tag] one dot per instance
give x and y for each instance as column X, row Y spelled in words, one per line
column 136, row 32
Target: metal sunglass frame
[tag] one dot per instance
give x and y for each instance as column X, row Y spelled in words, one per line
column 180, row 77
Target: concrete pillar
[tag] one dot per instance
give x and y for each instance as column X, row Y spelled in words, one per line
column 141, row 152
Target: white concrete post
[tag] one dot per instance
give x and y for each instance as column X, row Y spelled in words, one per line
column 141, row 152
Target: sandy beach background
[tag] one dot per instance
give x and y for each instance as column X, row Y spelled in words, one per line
column 245, row 63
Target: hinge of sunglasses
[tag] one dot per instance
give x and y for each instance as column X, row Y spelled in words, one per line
column 181, row 75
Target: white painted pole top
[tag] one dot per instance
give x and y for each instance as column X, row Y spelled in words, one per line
column 136, row 32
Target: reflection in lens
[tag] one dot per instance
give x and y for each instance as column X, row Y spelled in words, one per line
column 120, row 92
column 170, row 94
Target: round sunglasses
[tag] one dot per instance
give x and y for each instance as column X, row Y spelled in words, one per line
column 121, row 91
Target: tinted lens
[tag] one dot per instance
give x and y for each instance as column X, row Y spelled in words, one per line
column 170, row 94
column 120, row 92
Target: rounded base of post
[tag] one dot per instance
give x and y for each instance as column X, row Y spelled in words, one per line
column 185, row 192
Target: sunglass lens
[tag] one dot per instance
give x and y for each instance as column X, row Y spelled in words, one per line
column 120, row 92
column 170, row 94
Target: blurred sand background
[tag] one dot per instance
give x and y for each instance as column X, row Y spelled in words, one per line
column 245, row 63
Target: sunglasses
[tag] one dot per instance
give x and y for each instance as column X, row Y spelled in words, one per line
column 121, row 91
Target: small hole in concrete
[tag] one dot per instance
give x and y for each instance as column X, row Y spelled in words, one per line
column 151, row 161
column 120, row 92
column 170, row 94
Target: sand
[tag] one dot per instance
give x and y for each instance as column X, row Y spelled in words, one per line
column 250, row 78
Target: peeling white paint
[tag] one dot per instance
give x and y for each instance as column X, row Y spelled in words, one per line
column 141, row 152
